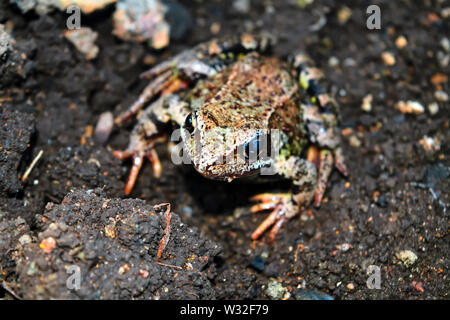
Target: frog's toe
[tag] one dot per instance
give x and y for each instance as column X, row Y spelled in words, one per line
column 324, row 160
column 267, row 223
column 278, row 203
column 138, row 159
column 152, row 156
column 268, row 201
column 339, row 162
column 325, row 166
column 270, row 197
column 270, row 205
column 276, row 219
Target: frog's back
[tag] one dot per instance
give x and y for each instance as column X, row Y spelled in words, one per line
column 253, row 93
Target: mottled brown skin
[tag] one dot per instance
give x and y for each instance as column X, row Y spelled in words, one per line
column 238, row 97
column 248, row 93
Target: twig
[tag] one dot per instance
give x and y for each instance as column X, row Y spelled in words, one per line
column 195, row 295
column 35, row 160
column 320, row 23
column 169, row 265
column 9, row 290
column 165, row 238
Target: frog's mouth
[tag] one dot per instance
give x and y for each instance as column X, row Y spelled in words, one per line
column 231, row 171
column 226, row 173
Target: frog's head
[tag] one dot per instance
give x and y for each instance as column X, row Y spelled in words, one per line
column 224, row 152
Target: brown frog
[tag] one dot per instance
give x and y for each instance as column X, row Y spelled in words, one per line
column 242, row 113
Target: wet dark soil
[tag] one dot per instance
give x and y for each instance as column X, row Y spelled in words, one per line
column 394, row 200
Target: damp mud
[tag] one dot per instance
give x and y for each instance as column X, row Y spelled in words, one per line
column 381, row 233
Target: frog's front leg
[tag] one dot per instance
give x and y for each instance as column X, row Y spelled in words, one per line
column 147, row 133
column 284, row 206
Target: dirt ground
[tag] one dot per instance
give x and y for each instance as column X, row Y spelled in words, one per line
column 391, row 212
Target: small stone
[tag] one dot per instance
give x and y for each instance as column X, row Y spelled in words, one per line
column 441, row 96
column 124, row 268
column 409, row 107
column 438, row 79
column 445, row 12
column 215, row 28
column 350, row 286
column 367, row 103
column 401, row 42
column 142, row 21
column 344, row 247
column 83, row 39
column 445, row 44
column 48, row 244
column 258, row 263
column 364, row 207
column 430, row 144
column 25, row 239
column 347, row 131
column 5, row 41
column 443, row 59
column 32, row 270
column 275, row 290
column 433, row 108
column 333, row 62
column 241, row 6
column 104, row 127
column 388, row 58
column 407, row 257
column 344, row 14
column 110, row 231
column 354, row 141
column 143, row 273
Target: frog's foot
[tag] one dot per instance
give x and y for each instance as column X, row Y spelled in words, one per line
column 324, row 161
column 282, row 210
column 138, row 156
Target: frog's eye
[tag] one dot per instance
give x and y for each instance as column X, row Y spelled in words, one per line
column 189, row 122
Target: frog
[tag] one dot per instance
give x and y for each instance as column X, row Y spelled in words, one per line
column 242, row 112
